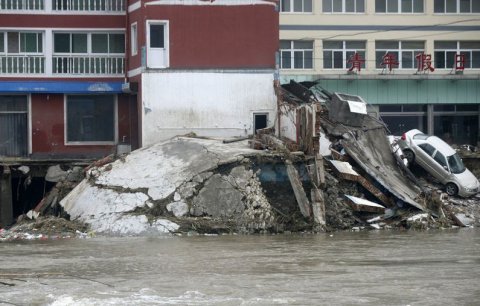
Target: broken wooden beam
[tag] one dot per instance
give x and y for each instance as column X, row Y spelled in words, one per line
column 298, row 190
column 320, row 171
column 318, row 207
column 362, row 205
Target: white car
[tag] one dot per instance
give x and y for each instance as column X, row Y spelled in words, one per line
column 441, row 161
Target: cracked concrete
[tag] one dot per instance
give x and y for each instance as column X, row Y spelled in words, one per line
column 179, row 176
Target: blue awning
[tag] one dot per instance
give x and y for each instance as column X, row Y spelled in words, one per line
column 64, row 87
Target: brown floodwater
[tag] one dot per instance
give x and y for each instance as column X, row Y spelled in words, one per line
column 347, row 268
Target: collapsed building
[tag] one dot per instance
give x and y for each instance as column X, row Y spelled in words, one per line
column 329, row 167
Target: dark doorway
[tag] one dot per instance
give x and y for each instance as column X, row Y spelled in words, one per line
column 13, row 125
column 260, row 121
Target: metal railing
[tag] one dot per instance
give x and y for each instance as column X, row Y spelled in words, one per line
column 89, row 5
column 22, row 64
column 89, row 65
column 27, row 5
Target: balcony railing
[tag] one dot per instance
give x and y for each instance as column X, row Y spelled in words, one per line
column 89, row 65
column 27, row 5
column 89, row 5
column 22, row 64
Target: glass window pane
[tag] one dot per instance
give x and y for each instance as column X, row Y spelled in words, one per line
column 100, row 43
column 465, row 6
column 355, row 44
column 2, row 47
column 28, row 42
column 476, row 7
column 476, row 59
column 303, row 44
column 116, row 43
column 286, row 59
column 427, row 148
column 392, row 6
column 466, row 107
column 338, row 59
column 451, row 6
column 90, row 118
column 445, row 45
column 298, row 59
column 380, row 6
column 157, row 36
column 308, row 60
column 285, row 44
column 406, row 6
column 79, row 43
column 327, row 6
column 285, row 4
column 439, row 158
column 13, row 42
column 400, row 124
column 407, row 60
column 337, row 6
column 444, row 108
column 390, row 108
column 470, row 45
column 379, row 58
column 418, row 45
column 307, row 6
column 439, row 6
column 418, row 6
column 349, row 6
column 297, row 5
column 327, row 59
column 390, row 45
column 457, row 129
column 61, row 43
column 360, row 6
column 451, row 59
column 332, row 44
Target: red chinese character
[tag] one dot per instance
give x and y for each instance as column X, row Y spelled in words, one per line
column 459, row 62
column 424, row 62
column 356, row 60
column 389, row 61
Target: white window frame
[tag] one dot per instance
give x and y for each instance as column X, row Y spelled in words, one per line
column 457, row 7
column 400, row 50
column 344, row 5
column 134, row 38
column 20, row 52
column 457, row 50
column 291, row 11
column 86, row 143
column 344, row 51
column 292, row 51
column 399, row 7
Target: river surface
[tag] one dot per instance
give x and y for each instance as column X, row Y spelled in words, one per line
column 351, row 268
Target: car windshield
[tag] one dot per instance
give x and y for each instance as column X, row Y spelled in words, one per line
column 455, row 163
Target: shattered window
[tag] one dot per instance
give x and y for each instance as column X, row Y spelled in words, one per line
column 427, row 148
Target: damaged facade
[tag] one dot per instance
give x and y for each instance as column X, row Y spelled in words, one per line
column 81, row 80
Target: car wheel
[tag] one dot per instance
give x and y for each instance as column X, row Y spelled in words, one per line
column 451, row 189
column 409, row 155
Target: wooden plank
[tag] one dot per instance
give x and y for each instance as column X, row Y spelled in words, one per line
column 320, row 171
column 318, row 207
column 375, row 191
column 298, row 190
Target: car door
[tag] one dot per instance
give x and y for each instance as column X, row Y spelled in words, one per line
column 424, row 157
column 440, row 167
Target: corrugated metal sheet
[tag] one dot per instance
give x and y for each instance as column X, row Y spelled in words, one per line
column 13, row 134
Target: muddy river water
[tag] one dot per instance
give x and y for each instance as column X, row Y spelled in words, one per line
column 354, row 268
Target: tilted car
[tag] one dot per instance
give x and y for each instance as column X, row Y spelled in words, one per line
column 441, row 161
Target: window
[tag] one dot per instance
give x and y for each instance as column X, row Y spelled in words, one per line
column 404, row 52
column 23, row 42
column 337, row 53
column 90, row 118
column 70, row 43
column 296, row 54
column 456, row 6
column 134, row 39
column 427, row 148
column 400, row 118
column 343, row 6
column 2, row 43
column 446, row 51
column 440, row 158
column 399, row 6
column 106, row 43
column 296, row 6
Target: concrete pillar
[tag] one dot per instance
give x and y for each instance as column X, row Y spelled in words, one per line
column 6, row 204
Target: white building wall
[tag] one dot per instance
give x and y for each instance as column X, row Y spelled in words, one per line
column 215, row 104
